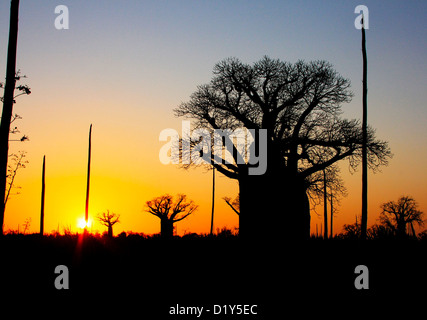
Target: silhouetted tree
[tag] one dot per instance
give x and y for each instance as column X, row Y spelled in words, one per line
column 8, row 100
column 109, row 220
column 300, row 106
column 398, row 215
column 170, row 211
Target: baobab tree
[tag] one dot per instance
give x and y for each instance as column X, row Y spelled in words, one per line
column 170, row 211
column 299, row 106
column 396, row 216
column 109, row 220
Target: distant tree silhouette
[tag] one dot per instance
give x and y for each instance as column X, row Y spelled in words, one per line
column 109, row 220
column 170, row 211
column 300, row 106
column 397, row 216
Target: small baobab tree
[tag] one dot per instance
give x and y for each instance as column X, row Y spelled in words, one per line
column 170, row 211
column 109, row 220
column 397, row 216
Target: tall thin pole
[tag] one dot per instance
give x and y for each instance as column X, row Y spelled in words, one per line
column 88, row 176
column 364, row 223
column 213, row 199
column 325, row 206
column 8, row 103
column 332, row 216
column 43, row 197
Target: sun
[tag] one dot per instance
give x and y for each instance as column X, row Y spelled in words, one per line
column 81, row 223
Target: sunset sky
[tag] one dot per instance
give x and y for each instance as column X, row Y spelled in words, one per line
column 125, row 65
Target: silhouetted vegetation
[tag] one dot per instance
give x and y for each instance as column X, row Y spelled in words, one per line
column 300, row 107
column 18, row 163
column 8, row 100
column 396, row 222
column 399, row 216
column 170, row 211
column 198, row 267
column 109, row 220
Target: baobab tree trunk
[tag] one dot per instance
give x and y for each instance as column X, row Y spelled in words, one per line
column 274, row 208
column 364, row 224
column 110, row 231
column 8, row 103
column 166, row 228
column 43, row 197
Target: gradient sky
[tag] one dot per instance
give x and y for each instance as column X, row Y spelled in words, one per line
column 124, row 65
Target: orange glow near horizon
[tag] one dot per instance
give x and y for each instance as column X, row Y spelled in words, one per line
column 122, row 182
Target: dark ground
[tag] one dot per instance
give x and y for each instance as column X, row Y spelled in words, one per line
column 144, row 277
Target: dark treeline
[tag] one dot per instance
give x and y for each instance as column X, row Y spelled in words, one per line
column 200, row 269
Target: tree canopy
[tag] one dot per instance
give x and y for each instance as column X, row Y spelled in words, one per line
column 298, row 103
column 299, row 106
column 396, row 215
